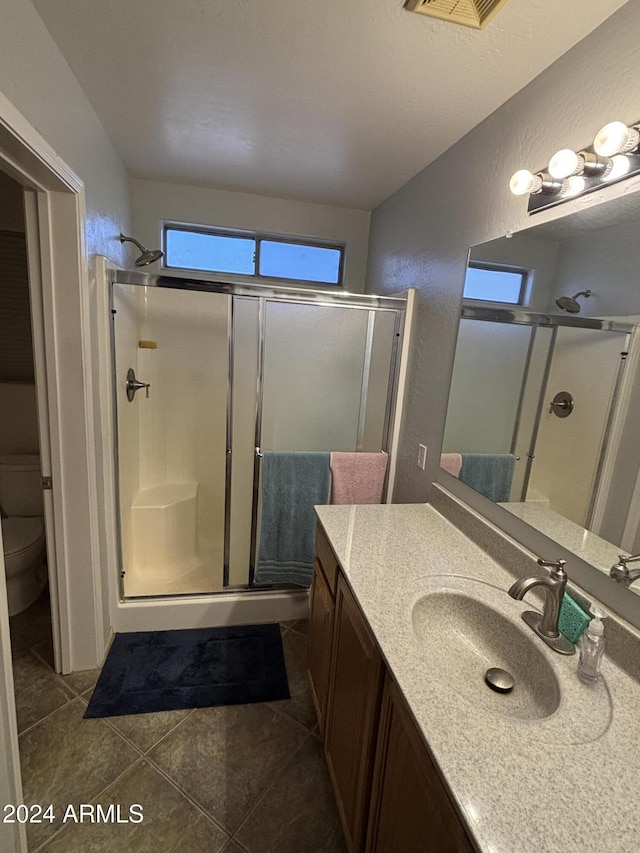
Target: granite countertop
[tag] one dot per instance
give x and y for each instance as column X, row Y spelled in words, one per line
column 584, row 544
column 560, row 784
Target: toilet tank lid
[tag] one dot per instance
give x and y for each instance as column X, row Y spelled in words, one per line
column 20, row 462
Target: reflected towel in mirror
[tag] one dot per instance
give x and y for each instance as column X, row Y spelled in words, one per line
column 451, row 463
column 491, row 474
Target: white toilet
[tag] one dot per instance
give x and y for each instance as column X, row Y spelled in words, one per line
column 23, row 533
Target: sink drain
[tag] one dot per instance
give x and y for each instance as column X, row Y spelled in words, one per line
column 499, row 680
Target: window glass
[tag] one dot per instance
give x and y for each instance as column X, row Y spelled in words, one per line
column 299, row 261
column 492, row 284
column 254, row 255
column 195, row 250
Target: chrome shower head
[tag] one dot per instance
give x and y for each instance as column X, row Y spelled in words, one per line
column 570, row 303
column 148, row 256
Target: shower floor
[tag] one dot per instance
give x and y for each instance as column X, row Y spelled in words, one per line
column 207, row 576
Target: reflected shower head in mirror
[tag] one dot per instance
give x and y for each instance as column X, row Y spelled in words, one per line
column 148, row 256
column 570, row 303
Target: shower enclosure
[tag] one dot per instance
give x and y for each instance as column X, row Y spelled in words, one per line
column 544, row 389
column 207, row 378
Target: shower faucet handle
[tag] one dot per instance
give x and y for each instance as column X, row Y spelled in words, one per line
column 133, row 385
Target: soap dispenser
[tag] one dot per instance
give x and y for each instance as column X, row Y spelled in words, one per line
column 592, row 646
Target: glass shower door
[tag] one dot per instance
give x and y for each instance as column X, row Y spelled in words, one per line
column 326, row 380
column 314, row 359
column 568, row 450
column 172, row 438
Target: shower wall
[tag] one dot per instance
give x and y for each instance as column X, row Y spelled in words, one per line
column 487, row 380
column 172, row 445
column 282, row 374
column 184, row 419
column 585, row 363
column 127, row 333
column 498, row 388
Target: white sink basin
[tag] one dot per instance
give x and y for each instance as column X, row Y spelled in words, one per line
column 461, row 635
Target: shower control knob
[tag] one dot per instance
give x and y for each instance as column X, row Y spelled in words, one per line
column 133, row 385
column 562, row 404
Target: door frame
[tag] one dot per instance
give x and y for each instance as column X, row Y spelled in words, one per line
column 55, row 220
column 55, row 204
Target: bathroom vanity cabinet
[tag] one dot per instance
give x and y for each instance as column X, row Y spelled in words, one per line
column 321, row 610
column 410, row 809
column 389, row 794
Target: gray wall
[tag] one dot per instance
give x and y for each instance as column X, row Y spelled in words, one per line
column 605, row 262
column 420, row 235
column 35, row 77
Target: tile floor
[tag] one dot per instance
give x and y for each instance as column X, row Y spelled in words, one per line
column 237, row 778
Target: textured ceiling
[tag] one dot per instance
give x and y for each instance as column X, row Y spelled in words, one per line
column 339, row 102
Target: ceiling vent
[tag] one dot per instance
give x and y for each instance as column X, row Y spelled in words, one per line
column 469, row 13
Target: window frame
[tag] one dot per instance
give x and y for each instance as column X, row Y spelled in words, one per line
column 258, row 237
column 526, row 278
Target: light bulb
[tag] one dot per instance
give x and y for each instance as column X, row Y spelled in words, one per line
column 524, row 181
column 615, row 138
column 565, row 163
column 620, row 166
column 572, row 186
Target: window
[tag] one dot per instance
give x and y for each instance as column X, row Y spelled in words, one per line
column 256, row 255
column 491, row 283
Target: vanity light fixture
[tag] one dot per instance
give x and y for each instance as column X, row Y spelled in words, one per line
column 614, row 155
column 566, row 163
column 616, row 138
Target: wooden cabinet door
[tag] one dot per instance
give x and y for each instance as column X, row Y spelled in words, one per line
column 352, row 715
column 410, row 808
column 321, row 609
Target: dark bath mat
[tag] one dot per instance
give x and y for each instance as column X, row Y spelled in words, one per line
column 151, row 671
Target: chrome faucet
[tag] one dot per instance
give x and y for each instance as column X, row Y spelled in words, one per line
column 621, row 573
column 546, row 624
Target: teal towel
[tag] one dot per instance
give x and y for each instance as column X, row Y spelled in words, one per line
column 292, row 483
column 491, row 474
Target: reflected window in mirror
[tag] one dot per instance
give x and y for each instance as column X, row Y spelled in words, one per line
column 496, row 283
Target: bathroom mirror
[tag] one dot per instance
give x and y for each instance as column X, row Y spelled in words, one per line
column 544, row 403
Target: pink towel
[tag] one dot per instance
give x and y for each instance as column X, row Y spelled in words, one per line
column 357, row 478
column 451, row 463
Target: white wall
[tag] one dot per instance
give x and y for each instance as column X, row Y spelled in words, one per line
column 420, row 235
column 154, row 201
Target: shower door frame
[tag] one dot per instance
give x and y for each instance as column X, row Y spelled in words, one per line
column 602, row 479
column 392, row 388
column 264, row 294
